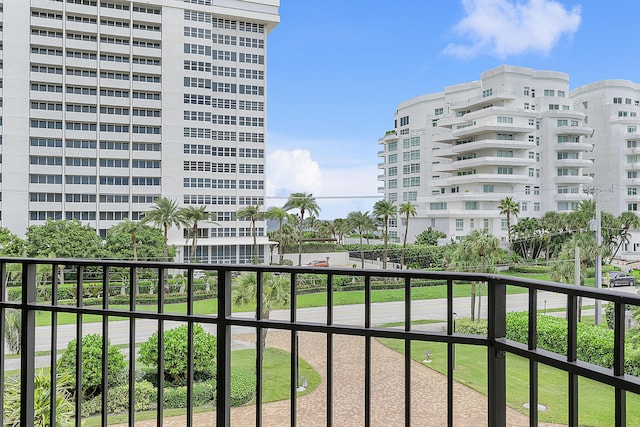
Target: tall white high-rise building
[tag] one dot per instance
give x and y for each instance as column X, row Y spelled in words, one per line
column 456, row 154
column 108, row 105
column 612, row 109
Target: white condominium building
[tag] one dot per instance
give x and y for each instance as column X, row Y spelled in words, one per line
column 108, row 105
column 455, row 154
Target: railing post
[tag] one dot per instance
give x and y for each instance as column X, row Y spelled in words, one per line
column 497, row 382
column 28, row 345
column 223, row 350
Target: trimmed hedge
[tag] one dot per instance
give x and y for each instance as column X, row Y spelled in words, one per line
column 118, row 399
column 203, row 394
column 594, row 344
column 243, row 387
column 530, row 269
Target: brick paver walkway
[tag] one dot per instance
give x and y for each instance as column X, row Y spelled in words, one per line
column 429, row 390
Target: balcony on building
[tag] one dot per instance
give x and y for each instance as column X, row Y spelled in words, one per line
column 346, row 350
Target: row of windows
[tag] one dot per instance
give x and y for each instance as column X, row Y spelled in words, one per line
column 223, row 135
column 91, row 198
column 91, row 144
column 201, row 149
column 203, row 166
column 227, row 104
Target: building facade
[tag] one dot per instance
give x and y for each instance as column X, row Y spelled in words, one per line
column 612, row 109
column 456, row 154
column 108, row 105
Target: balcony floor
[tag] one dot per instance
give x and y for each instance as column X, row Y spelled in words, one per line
column 429, row 391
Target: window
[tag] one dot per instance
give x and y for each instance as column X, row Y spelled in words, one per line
column 503, row 224
column 393, row 171
column 632, row 174
column 617, row 100
column 505, row 171
column 393, row 183
column 536, row 206
column 404, row 121
column 459, row 224
column 393, row 146
column 505, row 119
column 561, row 93
column 393, row 158
column 439, row 111
column 525, row 92
column 470, row 206
column 554, row 107
column 438, row 206
column 505, row 137
column 505, row 153
column 487, row 92
column 563, row 122
column 632, row 206
column 524, row 206
column 549, row 92
column 632, row 129
column 632, row 191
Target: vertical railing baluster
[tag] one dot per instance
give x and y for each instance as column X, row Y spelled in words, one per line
column 79, row 304
column 259, row 345
column 451, row 352
column 618, row 364
column 28, row 345
column 105, row 345
column 497, row 381
column 223, row 350
column 133, row 281
column 53, row 357
column 572, row 324
column 367, row 351
column 407, row 352
column 190, row 329
column 532, row 342
column 160, row 401
column 329, row 393
column 294, row 350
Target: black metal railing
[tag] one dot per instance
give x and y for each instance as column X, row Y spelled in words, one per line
column 30, row 276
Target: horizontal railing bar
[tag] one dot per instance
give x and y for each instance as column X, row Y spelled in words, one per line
column 583, row 369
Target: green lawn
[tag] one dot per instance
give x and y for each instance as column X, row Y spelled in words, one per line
column 303, row 301
column 595, row 400
column 276, row 383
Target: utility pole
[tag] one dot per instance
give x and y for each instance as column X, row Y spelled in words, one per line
column 595, row 225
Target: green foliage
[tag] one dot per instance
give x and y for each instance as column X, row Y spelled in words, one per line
column 429, row 237
column 243, row 387
column 417, row 256
column 10, row 244
column 468, row 326
column 203, row 394
column 92, row 364
column 314, row 247
column 175, row 351
column 529, row 269
column 41, row 401
column 149, row 243
column 118, row 399
column 63, row 239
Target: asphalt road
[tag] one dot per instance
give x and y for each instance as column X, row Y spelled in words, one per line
column 352, row 315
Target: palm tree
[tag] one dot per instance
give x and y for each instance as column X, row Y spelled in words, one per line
column 477, row 252
column 342, row 226
column 192, row 216
column 165, row 214
column 384, row 210
column 304, row 203
column 628, row 220
column 275, row 213
column 275, row 294
column 252, row 213
column 406, row 209
column 509, row 207
column 359, row 222
column 128, row 226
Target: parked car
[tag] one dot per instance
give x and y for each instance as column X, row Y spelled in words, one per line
column 318, row 263
column 618, row 278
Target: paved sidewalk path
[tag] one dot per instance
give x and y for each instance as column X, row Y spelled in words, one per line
column 429, row 390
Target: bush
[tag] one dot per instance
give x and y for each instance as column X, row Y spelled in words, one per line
column 203, row 394
column 243, row 387
column 92, row 364
column 530, row 269
column 118, row 399
column 467, row 326
column 175, row 352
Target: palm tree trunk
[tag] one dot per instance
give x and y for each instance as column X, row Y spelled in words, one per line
column 194, row 240
column 361, row 251
column 300, row 240
column 255, row 242
column 386, row 243
column 479, row 301
column 281, row 246
column 404, row 242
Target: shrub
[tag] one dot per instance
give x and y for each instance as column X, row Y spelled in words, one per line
column 41, row 401
column 530, row 269
column 203, row 394
column 92, row 364
column 467, row 326
column 118, row 399
column 243, row 387
column 175, row 352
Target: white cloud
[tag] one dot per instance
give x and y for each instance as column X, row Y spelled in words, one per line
column 338, row 189
column 505, row 27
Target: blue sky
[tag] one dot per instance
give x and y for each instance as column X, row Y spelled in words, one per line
column 337, row 70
